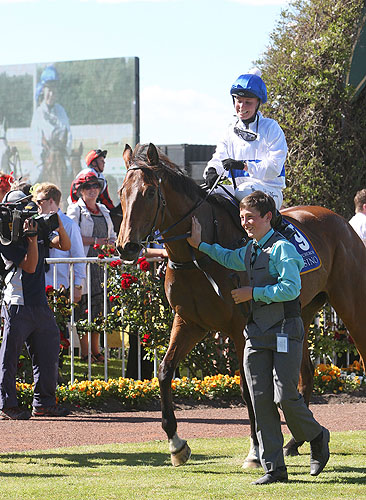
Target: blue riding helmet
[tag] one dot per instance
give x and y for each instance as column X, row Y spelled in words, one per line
column 49, row 74
column 249, row 85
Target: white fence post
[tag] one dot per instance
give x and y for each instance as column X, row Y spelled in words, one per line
column 72, row 326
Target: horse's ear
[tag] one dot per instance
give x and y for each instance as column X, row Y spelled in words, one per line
column 152, row 155
column 127, row 155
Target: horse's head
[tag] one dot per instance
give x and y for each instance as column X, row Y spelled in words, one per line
column 140, row 199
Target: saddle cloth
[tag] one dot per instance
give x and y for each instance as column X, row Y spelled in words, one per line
column 306, row 249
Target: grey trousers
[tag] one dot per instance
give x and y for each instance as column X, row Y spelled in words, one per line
column 272, row 379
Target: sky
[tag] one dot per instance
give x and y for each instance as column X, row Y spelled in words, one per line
column 190, row 52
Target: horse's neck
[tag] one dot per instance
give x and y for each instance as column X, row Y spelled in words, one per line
column 217, row 227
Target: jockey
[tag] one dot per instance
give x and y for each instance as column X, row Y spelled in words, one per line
column 49, row 121
column 253, row 152
column 95, row 161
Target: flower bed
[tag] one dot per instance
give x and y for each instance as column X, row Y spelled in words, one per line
column 136, row 393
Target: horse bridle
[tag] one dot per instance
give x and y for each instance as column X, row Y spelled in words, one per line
column 155, row 236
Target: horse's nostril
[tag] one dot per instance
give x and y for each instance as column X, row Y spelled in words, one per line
column 132, row 247
column 130, row 251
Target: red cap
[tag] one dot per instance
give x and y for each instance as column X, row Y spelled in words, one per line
column 94, row 154
column 81, row 180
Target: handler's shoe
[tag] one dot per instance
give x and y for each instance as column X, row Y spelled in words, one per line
column 319, row 452
column 49, row 411
column 277, row 476
column 14, row 413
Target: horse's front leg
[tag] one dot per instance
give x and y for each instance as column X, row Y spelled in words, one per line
column 184, row 336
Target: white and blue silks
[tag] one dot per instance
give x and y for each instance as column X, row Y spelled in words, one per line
column 49, row 123
column 264, row 156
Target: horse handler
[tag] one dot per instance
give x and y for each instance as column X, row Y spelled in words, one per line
column 274, row 335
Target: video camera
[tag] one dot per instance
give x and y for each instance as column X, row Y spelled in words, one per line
column 14, row 213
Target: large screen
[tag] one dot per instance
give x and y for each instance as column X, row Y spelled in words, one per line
column 53, row 114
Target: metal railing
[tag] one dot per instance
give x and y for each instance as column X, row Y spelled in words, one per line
column 72, row 324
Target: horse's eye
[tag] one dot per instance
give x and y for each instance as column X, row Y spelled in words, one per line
column 150, row 192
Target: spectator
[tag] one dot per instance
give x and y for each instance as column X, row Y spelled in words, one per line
column 96, row 229
column 95, row 161
column 6, row 181
column 358, row 221
column 48, row 197
column 28, row 319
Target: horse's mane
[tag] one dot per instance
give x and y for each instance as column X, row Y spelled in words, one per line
column 168, row 171
column 179, row 182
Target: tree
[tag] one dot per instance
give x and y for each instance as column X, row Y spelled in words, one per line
column 305, row 70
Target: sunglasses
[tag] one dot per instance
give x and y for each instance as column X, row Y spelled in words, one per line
column 95, row 185
column 38, row 202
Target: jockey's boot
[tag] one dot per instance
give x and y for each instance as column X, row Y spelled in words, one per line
column 283, row 227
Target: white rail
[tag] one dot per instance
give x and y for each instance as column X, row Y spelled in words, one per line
column 72, row 330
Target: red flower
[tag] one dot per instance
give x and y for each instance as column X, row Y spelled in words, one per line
column 146, row 337
column 49, row 289
column 101, row 256
column 125, row 283
column 115, row 263
column 144, row 265
column 96, row 246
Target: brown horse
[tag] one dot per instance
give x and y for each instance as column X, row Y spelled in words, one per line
column 55, row 167
column 156, row 195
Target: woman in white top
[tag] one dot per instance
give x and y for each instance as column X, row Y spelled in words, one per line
column 96, row 228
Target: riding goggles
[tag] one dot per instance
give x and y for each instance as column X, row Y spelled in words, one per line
column 246, row 134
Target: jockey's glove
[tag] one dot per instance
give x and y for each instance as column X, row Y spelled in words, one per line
column 211, row 177
column 230, row 164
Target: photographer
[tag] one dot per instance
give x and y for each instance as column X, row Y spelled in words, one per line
column 26, row 315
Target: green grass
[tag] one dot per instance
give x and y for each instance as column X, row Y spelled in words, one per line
column 142, row 471
column 81, row 369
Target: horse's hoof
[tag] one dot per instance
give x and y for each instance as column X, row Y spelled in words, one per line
column 251, row 463
column 182, row 456
column 291, row 451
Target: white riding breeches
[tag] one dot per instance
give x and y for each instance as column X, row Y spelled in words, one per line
column 249, row 185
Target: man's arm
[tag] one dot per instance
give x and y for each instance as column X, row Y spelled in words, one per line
column 30, row 261
column 62, row 240
column 231, row 259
